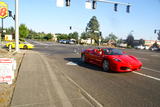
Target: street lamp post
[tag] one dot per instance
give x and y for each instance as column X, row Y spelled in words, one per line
column 17, row 24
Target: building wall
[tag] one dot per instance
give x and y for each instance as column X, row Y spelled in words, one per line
column 151, row 42
column 88, row 41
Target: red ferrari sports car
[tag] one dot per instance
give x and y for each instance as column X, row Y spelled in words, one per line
column 111, row 59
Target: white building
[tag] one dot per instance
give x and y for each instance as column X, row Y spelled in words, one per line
column 87, row 41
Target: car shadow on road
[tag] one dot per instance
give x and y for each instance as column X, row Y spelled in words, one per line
column 86, row 65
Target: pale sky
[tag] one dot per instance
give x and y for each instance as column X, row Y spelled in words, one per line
column 45, row 16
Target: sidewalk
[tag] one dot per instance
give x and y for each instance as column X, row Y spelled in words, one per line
column 41, row 85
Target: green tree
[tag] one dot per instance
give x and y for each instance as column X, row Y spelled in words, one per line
column 23, row 31
column 62, row 36
column 75, row 35
column 120, row 40
column 48, row 36
column 92, row 29
column 141, row 42
column 84, row 35
column 130, row 40
column 112, row 37
column 70, row 36
column 10, row 30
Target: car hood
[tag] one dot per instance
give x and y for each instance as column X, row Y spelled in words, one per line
column 131, row 60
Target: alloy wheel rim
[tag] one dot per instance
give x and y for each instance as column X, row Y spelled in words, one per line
column 105, row 65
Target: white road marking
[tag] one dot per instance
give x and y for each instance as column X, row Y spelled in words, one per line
column 142, row 58
column 155, row 55
column 148, row 76
column 71, row 63
column 150, row 69
column 85, row 93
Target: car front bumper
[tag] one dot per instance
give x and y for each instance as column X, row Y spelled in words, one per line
column 126, row 68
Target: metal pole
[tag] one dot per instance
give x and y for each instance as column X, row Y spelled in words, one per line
column 98, row 40
column 1, row 34
column 17, row 24
column 114, row 2
column 2, row 29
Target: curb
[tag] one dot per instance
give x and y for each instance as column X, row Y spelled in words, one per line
column 16, row 77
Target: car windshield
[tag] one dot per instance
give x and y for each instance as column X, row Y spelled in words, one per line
column 112, row 51
column 25, row 43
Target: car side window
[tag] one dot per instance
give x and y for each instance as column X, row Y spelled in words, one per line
column 91, row 51
column 96, row 52
column 106, row 52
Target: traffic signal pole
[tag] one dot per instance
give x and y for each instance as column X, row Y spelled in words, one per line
column 128, row 5
column 17, row 24
column 113, row 2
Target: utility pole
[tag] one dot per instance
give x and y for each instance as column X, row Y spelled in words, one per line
column 17, row 24
column 2, row 30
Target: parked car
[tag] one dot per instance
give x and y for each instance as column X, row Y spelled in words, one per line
column 111, row 59
column 139, row 47
column 67, row 41
column 63, row 41
column 60, row 41
column 22, row 45
column 154, row 49
column 146, row 47
column 72, row 42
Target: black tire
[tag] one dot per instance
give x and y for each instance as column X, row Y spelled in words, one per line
column 83, row 59
column 105, row 66
column 25, row 47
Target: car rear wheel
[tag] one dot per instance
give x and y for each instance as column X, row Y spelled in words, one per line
column 105, row 66
column 83, row 59
column 25, row 47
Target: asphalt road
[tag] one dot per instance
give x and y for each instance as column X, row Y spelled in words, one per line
column 133, row 89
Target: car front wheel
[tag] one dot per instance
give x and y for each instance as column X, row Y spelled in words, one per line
column 105, row 66
column 25, row 47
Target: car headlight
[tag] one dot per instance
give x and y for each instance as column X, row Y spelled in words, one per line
column 117, row 59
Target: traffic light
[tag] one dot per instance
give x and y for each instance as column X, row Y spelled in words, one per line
column 155, row 31
column 94, row 4
column 128, row 8
column 70, row 27
column 68, row 2
column 100, row 33
column 115, row 7
column 10, row 13
column 60, row 3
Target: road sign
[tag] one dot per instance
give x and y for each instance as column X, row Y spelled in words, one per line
column 7, row 67
column 3, row 10
column 60, row 3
